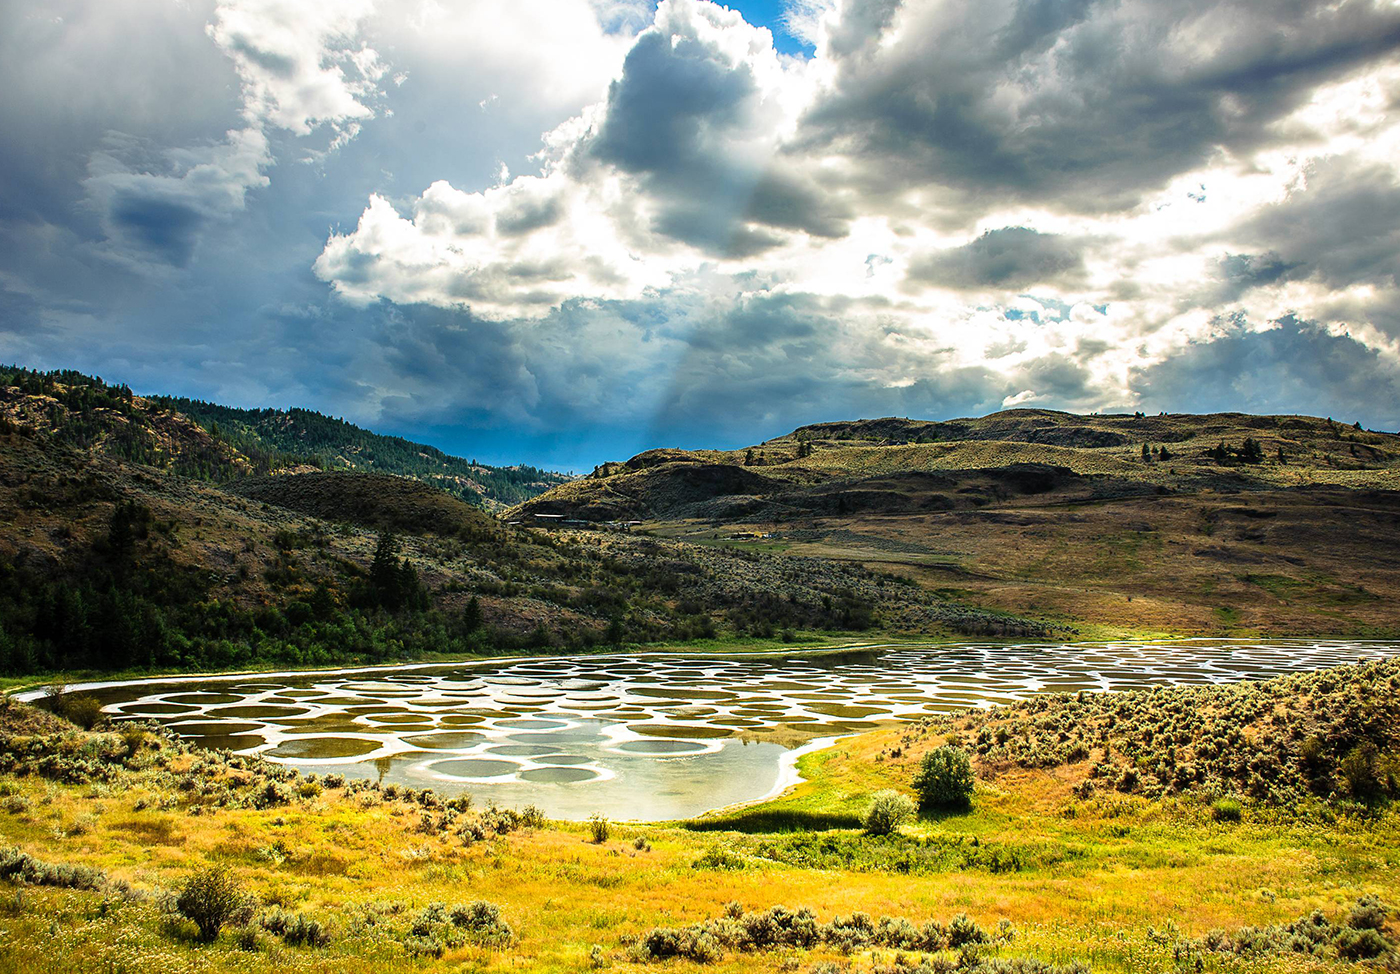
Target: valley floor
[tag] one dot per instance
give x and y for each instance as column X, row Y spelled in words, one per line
column 1121, row 883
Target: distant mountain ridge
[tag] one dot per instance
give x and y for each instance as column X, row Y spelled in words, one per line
column 209, row 441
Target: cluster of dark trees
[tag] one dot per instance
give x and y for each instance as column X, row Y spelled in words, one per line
column 123, row 604
column 270, row 439
column 87, row 412
column 1248, row 452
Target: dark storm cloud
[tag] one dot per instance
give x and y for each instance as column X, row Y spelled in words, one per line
column 1342, row 228
column 529, row 215
column 678, row 119
column 19, row 313
column 773, row 362
column 169, row 229
column 1084, row 105
column 1009, row 258
column 1243, row 272
column 1296, row 367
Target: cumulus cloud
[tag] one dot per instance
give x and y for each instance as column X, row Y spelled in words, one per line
column 644, row 218
column 1083, row 105
column 299, row 68
column 1291, row 366
column 679, row 163
column 1008, row 258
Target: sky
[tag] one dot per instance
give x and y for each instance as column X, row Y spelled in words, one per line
column 564, row 231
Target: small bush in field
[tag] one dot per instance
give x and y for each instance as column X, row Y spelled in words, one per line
column 212, row 898
column 21, row 867
column 887, row 812
column 944, row 781
column 85, row 711
column 1226, row 810
column 599, row 828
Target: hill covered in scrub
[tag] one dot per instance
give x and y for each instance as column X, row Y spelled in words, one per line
column 1020, row 455
column 217, row 443
column 1329, row 734
column 110, row 563
column 1222, row 523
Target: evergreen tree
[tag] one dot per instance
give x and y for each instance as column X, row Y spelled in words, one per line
column 384, row 572
column 471, row 615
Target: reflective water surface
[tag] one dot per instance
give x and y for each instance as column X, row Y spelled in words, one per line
column 653, row 737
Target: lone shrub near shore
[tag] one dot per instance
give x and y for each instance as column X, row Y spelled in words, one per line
column 887, row 812
column 944, row 781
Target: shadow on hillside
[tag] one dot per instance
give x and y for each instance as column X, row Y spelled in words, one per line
column 775, row 820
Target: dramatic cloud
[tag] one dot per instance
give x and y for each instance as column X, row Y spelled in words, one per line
column 1012, row 257
column 566, row 236
column 298, row 70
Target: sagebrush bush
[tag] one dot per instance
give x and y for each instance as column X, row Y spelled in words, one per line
column 887, row 812
column 21, row 867
column 1226, row 810
column 1360, row 937
column 85, row 711
column 944, row 781
column 598, row 827
column 212, row 898
column 780, row 927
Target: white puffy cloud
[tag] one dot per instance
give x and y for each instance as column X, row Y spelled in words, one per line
column 539, row 214
column 300, row 67
column 934, row 170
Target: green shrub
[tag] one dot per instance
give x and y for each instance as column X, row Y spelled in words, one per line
column 133, row 737
column 212, row 898
column 482, row 922
column 296, row 929
column 85, row 711
column 1361, row 944
column 1226, row 810
column 598, row 827
column 887, row 812
column 944, row 781
column 1369, row 913
column 1360, row 770
column 720, row 857
column 21, row 867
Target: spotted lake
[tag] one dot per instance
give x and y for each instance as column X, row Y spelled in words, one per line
column 652, row 737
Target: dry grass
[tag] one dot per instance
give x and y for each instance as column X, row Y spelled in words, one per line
column 1094, row 875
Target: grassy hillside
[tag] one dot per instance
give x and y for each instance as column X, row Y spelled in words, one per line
column 220, row 444
column 1213, row 524
column 110, row 565
column 110, row 830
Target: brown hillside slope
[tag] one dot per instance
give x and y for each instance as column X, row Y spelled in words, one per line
column 1058, row 515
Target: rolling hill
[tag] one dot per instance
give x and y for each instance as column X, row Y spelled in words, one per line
column 1221, row 523
column 134, row 537
column 219, row 443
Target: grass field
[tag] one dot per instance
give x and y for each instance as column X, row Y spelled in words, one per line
column 1120, row 882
